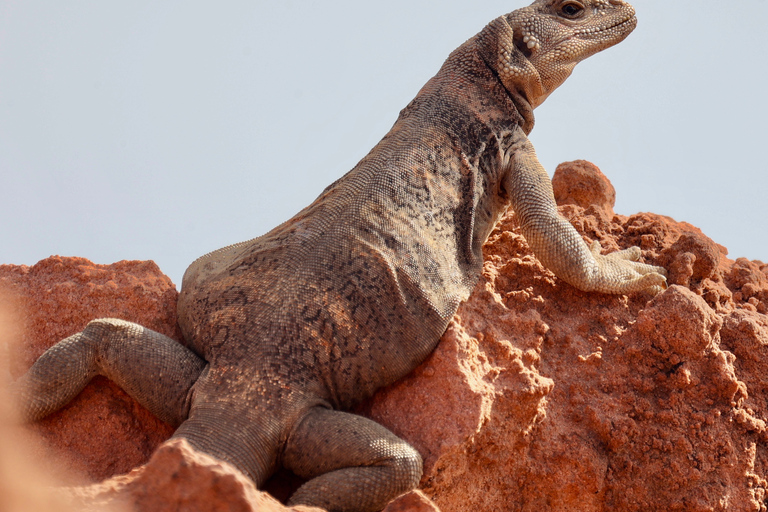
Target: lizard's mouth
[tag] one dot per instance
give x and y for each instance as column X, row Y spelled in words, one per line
column 624, row 26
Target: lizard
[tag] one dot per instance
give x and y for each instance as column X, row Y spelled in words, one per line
column 286, row 332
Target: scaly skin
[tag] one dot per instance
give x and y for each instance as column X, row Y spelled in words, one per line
column 290, row 328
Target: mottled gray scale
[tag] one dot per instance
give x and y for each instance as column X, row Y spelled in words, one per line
column 355, row 291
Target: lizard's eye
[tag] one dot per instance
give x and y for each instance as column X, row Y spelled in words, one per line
column 571, row 10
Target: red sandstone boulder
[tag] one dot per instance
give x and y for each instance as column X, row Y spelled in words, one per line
column 539, row 396
column 581, row 183
column 178, row 477
column 542, row 397
column 103, row 432
column 415, row 501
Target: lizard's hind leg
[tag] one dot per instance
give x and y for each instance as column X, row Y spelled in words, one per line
column 154, row 369
column 354, row 463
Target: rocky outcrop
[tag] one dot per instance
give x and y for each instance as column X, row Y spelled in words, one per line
column 539, row 396
column 177, row 477
column 58, row 297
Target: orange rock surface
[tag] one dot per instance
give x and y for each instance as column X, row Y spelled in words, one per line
column 177, row 477
column 102, row 432
column 542, row 397
column 539, row 396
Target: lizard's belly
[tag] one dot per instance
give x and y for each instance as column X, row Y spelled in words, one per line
column 340, row 328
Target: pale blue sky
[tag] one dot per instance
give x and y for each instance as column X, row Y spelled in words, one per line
column 163, row 130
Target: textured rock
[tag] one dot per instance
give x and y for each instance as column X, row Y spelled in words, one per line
column 539, row 396
column 57, row 297
column 178, row 477
column 415, row 501
column 561, row 400
column 581, row 183
column 24, row 485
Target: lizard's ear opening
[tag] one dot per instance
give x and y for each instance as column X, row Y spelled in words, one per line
column 521, row 44
column 506, row 51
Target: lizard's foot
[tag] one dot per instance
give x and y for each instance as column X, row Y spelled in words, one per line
column 354, row 463
column 620, row 272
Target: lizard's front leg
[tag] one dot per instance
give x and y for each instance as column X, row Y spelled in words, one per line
column 558, row 245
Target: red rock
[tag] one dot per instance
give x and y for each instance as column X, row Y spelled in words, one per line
column 581, row 183
column 649, row 408
column 57, row 297
column 178, row 477
column 539, row 396
column 749, row 282
column 24, row 485
column 415, row 501
column 691, row 259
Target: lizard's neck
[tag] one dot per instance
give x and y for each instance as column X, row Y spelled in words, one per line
column 495, row 50
column 524, row 108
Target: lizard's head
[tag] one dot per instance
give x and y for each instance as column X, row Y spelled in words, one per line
column 534, row 49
